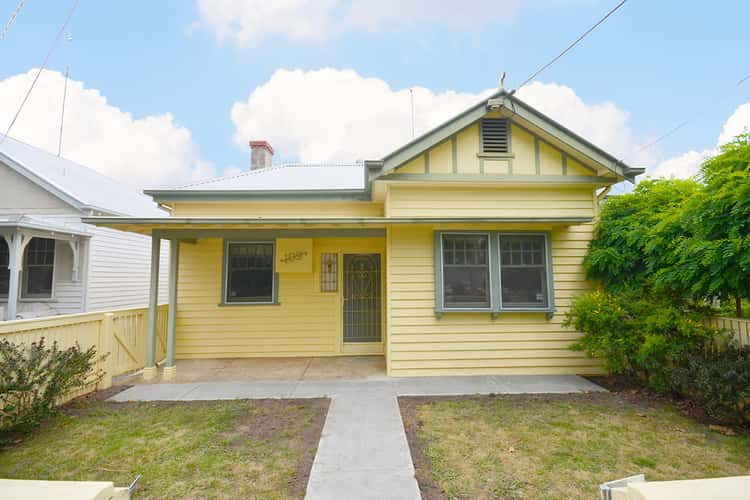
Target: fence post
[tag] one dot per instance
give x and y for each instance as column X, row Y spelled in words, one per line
column 107, row 344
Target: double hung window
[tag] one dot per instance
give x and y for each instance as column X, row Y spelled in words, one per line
column 493, row 271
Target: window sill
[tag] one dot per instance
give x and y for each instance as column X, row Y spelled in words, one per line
column 549, row 312
column 496, row 156
column 36, row 299
column 239, row 304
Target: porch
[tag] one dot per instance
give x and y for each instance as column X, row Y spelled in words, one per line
column 266, row 369
column 42, row 267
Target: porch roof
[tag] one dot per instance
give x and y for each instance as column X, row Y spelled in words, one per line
column 150, row 225
column 40, row 225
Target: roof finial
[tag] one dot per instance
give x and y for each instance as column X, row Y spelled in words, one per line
column 502, row 80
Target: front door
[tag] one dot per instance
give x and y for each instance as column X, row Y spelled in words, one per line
column 362, row 298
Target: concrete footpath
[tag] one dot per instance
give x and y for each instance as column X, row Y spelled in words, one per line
column 363, row 452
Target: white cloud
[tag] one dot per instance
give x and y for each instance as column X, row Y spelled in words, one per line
column 688, row 164
column 146, row 152
column 335, row 114
column 738, row 123
column 251, row 21
column 681, row 167
column 603, row 124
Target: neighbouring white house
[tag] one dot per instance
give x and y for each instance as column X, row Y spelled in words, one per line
column 50, row 262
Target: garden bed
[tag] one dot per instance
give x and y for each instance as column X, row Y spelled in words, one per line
column 201, row 449
column 559, row 446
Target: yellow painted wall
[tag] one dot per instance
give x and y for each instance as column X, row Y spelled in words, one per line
column 279, row 209
column 467, row 147
column 307, row 322
column 414, row 166
column 522, row 146
column 419, row 200
column 474, row 343
column 441, row 158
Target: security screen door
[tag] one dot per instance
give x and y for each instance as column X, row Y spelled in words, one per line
column 362, row 298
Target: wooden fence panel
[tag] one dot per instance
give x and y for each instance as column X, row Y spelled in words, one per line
column 738, row 328
column 123, row 334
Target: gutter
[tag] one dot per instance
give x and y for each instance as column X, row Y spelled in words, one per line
column 173, row 221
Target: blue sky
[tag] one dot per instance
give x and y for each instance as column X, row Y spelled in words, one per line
column 657, row 62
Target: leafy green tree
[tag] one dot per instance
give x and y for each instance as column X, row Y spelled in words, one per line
column 706, row 246
column 628, row 250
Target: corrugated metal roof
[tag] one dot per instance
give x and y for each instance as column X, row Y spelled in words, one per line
column 289, row 177
column 65, row 178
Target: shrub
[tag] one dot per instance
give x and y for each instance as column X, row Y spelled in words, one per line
column 640, row 337
column 33, row 378
column 718, row 381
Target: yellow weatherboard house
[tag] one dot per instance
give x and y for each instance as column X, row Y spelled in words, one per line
column 456, row 254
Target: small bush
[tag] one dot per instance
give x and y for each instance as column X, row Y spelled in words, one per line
column 718, row 381
column 33, row 378
column 640, row 337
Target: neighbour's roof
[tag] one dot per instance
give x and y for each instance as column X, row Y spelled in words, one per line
column 36, row 223
column 289, row 177
column 79, row 186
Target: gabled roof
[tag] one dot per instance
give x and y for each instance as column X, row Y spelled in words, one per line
column 512, row 107
column 347, row 180
column 78, row 186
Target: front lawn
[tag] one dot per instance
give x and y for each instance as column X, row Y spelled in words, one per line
column 558, row 446
column 230, row 449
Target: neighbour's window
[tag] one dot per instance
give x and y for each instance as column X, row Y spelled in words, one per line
column 523, row 274
column 4, row 271
column 466, row 277
column 38, row 268
column 495, row 135
column 250, row 274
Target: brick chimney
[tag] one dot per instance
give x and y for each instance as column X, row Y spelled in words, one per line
column 261, row 155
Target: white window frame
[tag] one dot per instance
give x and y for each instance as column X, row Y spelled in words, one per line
column 4, row 294
column 38, row 297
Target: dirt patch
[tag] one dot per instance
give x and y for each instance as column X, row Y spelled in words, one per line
column 623, row 385
column 274, row 419
column 428, row 487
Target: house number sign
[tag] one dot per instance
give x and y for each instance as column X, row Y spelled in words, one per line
column 294, row 255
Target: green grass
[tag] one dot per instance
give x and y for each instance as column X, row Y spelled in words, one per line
column 237, row 449
column 558, row 447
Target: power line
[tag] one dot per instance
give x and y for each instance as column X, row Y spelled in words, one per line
column 689, row 120
column 41, row 68
column 11, row 19
column 569, row 47
column 62, row 113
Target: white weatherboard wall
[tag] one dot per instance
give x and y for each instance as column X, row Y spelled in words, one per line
column 119, row 270
column 68, row 294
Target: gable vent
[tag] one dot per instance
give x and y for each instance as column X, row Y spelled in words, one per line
column 495, row 135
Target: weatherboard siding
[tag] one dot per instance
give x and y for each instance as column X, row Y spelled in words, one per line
column 474, row 343
column 120, row 270
column 279, row 209
column 305, row 322
column 419, row 200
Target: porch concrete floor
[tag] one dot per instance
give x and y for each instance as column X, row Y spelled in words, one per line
column 267, row 369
